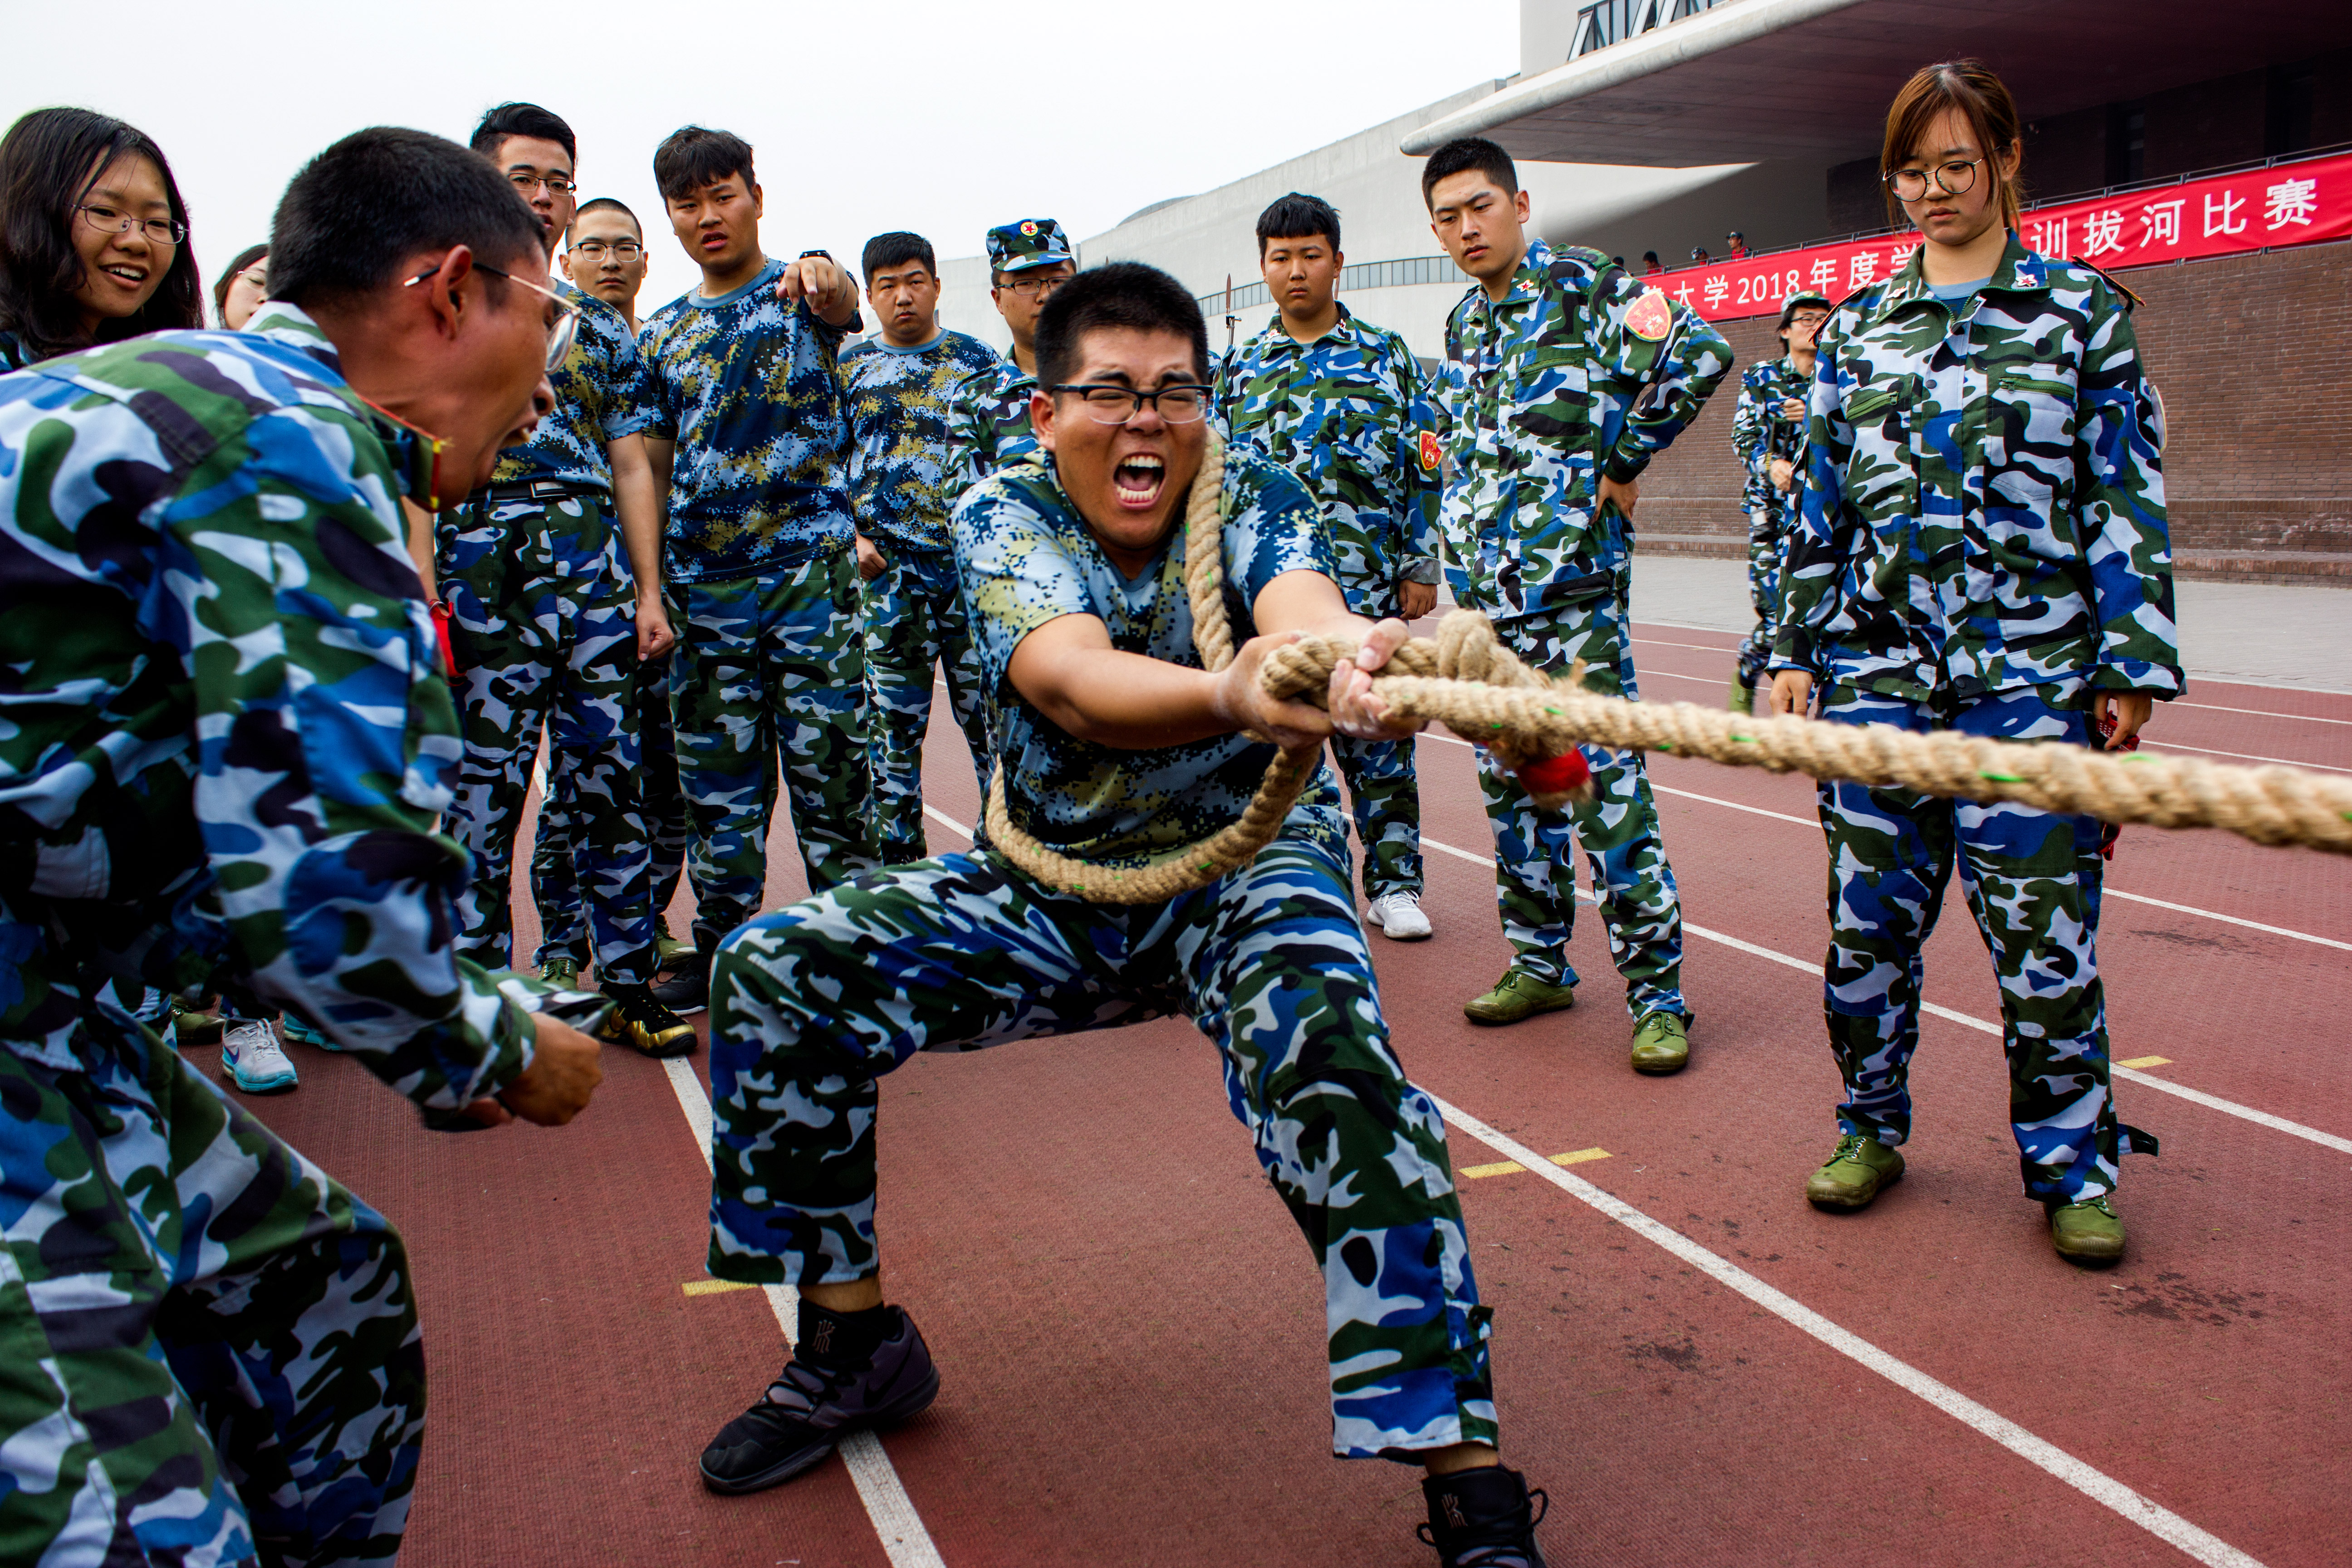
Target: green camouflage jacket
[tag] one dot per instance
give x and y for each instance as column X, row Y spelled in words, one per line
column 1759, row 433
column 1349, row 416
column 988, row 422
column 1983, row 506
column 224, row 732
column 1579, row 373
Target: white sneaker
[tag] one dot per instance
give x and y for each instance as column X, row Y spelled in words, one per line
column 256, row 1062
column 1399, row 916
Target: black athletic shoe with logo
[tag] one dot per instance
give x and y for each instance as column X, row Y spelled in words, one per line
column 822, row 1397
column 1483, row 1518
column 689, row 990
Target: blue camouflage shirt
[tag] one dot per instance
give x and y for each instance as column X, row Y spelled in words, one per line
column 750, row 389
column 223, row 731
column 603, row 392
column 988, row 422
column 1349, row 416
column 904, row 474
column 1983, row 504
column 1027, row 557
column 1579, row 373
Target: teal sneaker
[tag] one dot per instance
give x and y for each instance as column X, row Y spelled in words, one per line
column 293, row 1027
column 256, row 1063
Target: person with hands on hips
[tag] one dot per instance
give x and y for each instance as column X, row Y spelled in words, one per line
column 1983, row 547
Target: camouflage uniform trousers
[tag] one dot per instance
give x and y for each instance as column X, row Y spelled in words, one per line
column 545, row 633
column 915, row 619
column 1535, row 880
column 2032, row 880
column 1767, row 537
column 811, row 1004
column 209, row 1350
column 764, row 664
column 562, row 921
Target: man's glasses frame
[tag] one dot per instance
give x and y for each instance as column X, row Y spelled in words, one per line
column 557, row 184
column 159, row 230
column 1954, row 177
column 1101, row 397
column 624, row 250
column 559, row 336
column 1033, row 288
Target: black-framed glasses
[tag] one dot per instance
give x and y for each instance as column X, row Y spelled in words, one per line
column 567, row 323
column 1953, row 177
column 1107, row 403
column 557, row 184
column 620, row 249
column 1036, row 288
column 106, row 220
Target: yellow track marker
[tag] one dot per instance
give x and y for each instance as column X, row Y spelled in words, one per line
column 713, row 1286
column 1504, row 1167
column 2147, row 1062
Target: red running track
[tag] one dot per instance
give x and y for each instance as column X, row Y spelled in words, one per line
column 1130, row 1336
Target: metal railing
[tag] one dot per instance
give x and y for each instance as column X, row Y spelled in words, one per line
column 1614, row 21
column 1402, row 273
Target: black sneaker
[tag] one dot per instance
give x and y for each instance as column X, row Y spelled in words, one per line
column 644, row 1025
column 816, row 1402
column 1483, row 1518
column 688, row 990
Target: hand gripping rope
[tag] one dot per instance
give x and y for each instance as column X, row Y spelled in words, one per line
column 1467, row 680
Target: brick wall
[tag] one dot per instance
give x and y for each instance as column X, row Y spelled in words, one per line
column 2254, row 356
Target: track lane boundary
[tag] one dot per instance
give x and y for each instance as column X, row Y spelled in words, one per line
column 2095, row 1484
column 905, row 1539
column 1968, row 1020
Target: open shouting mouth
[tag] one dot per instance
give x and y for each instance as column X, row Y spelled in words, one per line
column 1136, row 481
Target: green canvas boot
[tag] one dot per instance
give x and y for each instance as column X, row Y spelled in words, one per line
column 2089, row 1230
column 1516, row 996
column 668, row 951
column 1858, row 1169
column 1743, row 696
column 561, row 969
column 1661, row 1043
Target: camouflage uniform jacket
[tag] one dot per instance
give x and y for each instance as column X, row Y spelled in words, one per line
column 750, row 389
column 1347, row 414
column 903, row 472
column 224, row 732
column 1759, row 433
column 603, row 392
column 1579, row 373
column 1984, row 495
column 1027, row 557
column 988, row 422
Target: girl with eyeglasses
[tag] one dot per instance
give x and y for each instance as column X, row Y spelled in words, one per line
column 93, row 237
column 1982, row 548
column 238, row 293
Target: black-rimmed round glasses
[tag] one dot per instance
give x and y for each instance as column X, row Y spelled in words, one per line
column 106, row 220
column 559, row 336
column 1107, row 403
column 1953, row 178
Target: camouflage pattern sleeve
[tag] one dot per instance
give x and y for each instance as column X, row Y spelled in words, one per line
column 2125, row 536
column 1751, row 432
column 1662, row 378
column 1419, row 467
column 1825, row 527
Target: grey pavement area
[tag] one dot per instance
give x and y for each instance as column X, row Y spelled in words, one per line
column 2260, row 633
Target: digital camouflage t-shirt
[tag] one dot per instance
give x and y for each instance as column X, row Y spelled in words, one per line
column 904, row 474
column 603, row 392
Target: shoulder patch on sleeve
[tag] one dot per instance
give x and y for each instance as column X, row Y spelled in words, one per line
column 2112, row 281
column 1649, row 318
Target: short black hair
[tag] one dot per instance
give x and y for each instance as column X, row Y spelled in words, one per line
column 378, row 196
column 606, row 204
column 897, row 249
column 1463, row 154
column 47, row 161
column 245, row 259
column 522, row 120
column 1117, row 294
column 693, row 156
column 1295, row 216
column 1649, row 255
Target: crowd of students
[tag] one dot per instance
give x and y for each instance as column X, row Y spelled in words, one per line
column 292, row 607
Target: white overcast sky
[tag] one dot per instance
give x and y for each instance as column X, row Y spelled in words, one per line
column 943, row 118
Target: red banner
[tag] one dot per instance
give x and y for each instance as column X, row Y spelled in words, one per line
column 2227, row 215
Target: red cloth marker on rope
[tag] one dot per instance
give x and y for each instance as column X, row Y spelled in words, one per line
column 1563, row 774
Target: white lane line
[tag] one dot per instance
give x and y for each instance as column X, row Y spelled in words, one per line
column 2259, row 712
column 2214, row 1102
column 904, row 1539
column 2111, row 892
column 2092, row 1483
column 2250, row 757
column 1701, row 647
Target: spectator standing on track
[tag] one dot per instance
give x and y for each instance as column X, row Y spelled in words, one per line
column 604, row 255
column 1117, row 745
column 238, row 293
column 213, row 1347
column 551, row 574
column 752, row 434
column 1983, row 548
column 988, row 417
column 1563, row 377
column 903, row 478
column 1767, row 431
column 1340, row 403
